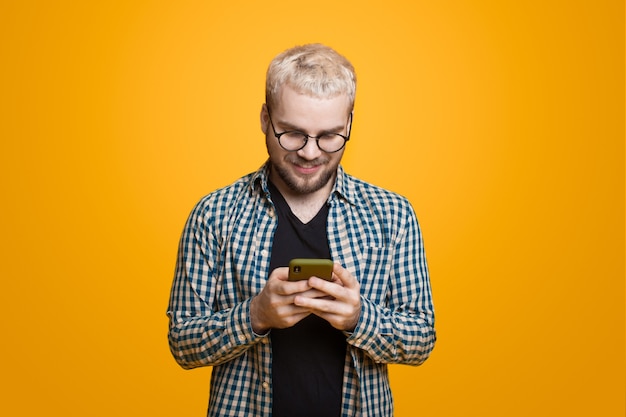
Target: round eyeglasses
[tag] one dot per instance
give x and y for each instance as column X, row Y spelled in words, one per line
column 294, row 140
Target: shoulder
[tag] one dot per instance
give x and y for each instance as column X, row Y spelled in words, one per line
column 385, row 215
column 220, row 203
column 375, row 197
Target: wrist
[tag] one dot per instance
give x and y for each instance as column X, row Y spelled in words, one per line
column 256, row 321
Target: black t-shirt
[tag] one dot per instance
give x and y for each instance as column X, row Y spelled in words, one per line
column 308, row 358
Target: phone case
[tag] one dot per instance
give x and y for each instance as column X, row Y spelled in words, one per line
column 305, row 268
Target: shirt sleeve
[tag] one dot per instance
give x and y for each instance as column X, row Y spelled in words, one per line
column 200, row 335
column 402, row 329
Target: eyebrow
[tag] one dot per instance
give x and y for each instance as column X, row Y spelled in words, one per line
column 290, row 127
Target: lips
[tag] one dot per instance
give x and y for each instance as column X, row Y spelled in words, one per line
column 307, row 169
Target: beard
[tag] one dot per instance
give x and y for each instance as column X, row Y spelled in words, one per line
column 304, row 185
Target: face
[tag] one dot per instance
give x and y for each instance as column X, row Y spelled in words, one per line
column 310, row 169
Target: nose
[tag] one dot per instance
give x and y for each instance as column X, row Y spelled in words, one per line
column 310, row 151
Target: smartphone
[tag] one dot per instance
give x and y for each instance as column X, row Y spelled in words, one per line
column 305, row 268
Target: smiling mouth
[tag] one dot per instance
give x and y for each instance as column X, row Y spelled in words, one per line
column 307, row 169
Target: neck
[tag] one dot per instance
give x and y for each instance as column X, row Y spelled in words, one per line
column 304, row 205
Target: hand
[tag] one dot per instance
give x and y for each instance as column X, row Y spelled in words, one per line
column 341, row 305
column 274, row 306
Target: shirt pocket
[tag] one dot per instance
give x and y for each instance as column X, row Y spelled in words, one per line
column 374, row 267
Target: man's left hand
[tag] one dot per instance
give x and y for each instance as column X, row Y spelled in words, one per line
column 342, row 307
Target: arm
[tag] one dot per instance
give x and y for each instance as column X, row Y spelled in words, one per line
column 198, row 334
column 402, row 329
column 203, row 334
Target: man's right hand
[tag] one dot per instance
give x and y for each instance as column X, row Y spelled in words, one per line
column 273, row 307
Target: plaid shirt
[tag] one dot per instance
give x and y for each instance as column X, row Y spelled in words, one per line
column 223, row 262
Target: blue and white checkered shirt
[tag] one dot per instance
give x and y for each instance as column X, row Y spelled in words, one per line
column 223, row 262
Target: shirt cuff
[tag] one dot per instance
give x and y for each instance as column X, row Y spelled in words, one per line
column 365, row 328
column 241, row 329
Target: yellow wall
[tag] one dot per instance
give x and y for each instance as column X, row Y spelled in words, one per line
column 502, row 121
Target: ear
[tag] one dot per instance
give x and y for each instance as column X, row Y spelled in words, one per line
column 351, row 117
column 264, row 118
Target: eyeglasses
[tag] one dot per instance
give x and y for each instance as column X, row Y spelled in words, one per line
column 294, row 140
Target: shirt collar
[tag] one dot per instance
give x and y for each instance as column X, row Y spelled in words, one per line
column 259, row 179
column 345, row 188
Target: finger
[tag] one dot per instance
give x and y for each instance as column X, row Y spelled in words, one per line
column 293, row 287
column 324, row 307
column 291, row 319
column 312, row 293
column 315, row 304
column 334, row 289
column 341, row 315
column 280, row 284
column 281, row 273
column 335, row 279
column 346, row 278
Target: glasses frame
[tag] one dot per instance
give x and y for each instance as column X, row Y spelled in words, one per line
column 307, row 136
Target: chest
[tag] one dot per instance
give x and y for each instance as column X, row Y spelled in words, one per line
column 306, row 211
column 361, row 242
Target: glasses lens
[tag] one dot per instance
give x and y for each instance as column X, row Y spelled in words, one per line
column 293, row 141
column 331, row 142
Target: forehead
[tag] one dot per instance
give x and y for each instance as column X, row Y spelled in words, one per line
column 305, row 111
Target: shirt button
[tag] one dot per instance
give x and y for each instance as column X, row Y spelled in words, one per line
column 264, row 252
column 270, row 213
column 242, row 338
column 266, row 385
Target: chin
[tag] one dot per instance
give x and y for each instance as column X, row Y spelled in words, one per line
column 300, row 185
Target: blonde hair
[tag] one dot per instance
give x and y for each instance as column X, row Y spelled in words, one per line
column 313, row 69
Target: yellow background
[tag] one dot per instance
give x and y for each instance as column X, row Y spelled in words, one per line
column 502, row 122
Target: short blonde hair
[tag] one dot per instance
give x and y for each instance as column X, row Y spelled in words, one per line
column 313, row 69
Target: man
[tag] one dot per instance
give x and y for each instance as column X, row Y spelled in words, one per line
column 310, row 347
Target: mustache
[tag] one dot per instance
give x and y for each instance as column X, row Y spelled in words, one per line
column 306, row 163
